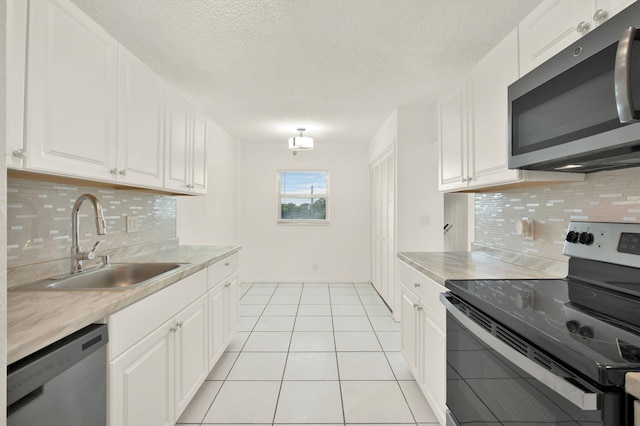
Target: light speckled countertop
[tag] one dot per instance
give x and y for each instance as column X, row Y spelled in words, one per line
column 441, row 266
column 36, row 319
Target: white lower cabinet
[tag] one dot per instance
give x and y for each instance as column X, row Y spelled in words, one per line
column 141, row 382
column 162, row 348
column 423, row 335
column 191, row 352
column 223, row 316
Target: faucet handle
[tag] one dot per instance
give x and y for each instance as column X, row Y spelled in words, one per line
column 92, row 254
column 106, row 261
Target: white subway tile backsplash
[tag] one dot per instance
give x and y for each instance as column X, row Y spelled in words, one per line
column 39, row 219
column 606, row 197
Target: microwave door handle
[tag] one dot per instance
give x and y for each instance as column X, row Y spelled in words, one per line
column 580, row 398
column 622, row 74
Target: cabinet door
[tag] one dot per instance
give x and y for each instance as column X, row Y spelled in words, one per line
column 17, row 16
column 551, row 27
column 71, row 92
column 409, row 327
column 199, row 156
column 141, row 386
column 488, row 114
column 605, row 9
column 177, row 145
column 433, row 362
column 453, row 140
column 218, row 336
column 140, row 143
column 191, row 352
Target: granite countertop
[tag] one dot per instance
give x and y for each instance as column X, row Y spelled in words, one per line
column 36, row 319
column 441, row 266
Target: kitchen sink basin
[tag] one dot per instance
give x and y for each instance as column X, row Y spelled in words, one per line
column 122, row 276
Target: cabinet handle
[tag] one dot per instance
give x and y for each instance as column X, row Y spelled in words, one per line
column 600, row 15
column 173, row 329
column 463, row 180
column 123, row 172
column 226, row 263
column 415, row 306
column 20, row 153
column 113, row 171
column 416, row 285
column 469, row 179
column 419, row 308
column 179, row 324
column 583, row 27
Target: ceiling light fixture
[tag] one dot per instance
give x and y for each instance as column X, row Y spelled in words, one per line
column 301, row 143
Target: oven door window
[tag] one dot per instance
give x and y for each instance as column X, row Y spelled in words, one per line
column 485, row 388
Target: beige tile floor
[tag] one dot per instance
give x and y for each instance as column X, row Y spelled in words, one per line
column 311, row 354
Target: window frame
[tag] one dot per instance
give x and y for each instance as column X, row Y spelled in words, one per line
column 280, row 196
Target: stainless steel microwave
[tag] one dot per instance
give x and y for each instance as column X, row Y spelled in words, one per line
column 580, row 110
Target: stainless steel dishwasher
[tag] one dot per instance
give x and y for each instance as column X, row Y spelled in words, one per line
column 63, row 384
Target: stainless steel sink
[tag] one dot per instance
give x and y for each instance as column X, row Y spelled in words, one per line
column 115, row 277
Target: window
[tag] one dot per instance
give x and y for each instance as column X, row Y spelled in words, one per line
column 303, row 196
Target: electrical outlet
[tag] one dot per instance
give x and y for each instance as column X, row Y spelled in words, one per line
column 133, row 224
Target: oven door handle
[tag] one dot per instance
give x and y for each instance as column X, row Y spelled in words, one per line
column 622, row 77
column 580, row 398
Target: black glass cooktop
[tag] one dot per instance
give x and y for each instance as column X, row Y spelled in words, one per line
column 588, row 328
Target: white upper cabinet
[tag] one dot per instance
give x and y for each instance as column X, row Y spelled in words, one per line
column 82, row 106
column 140, row 143
column 185, row 147
column 489, row 115
column 555, row 24
column 452, row 116
column 199, row 156
column 474, row 139
column 71, row 92
column 17, row 15
column 178, row 117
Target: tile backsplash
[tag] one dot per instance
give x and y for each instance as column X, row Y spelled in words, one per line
column 39, row 219
column 603, row 197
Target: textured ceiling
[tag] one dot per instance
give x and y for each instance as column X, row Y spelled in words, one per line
column 261, row 68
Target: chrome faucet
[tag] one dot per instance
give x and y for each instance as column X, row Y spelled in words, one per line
column 78, row 256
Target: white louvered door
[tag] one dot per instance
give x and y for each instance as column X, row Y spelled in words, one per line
column 383, row 226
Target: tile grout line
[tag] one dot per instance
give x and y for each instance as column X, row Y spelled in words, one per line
column 286, row 360
column 335, row 348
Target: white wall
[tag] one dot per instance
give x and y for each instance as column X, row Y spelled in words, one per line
column 213, row 219
column 419, row 209
column 419, row 204
column 273, row 252
column 384, row 137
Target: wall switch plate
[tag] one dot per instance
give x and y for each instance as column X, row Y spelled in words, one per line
column 133, row 224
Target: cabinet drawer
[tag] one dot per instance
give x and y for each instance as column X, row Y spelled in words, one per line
column 430, row 295
column 133, row 323
column 408, row 276
column 425, row 288
column 222, row 269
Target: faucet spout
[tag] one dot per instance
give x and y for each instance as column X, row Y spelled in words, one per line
column 101, row 229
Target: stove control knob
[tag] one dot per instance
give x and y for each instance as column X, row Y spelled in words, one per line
column 585, row 238
column 572, row 236
column 573, row 326
column 586, row 331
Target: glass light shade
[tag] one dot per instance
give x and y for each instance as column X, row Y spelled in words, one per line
column 300, row 143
